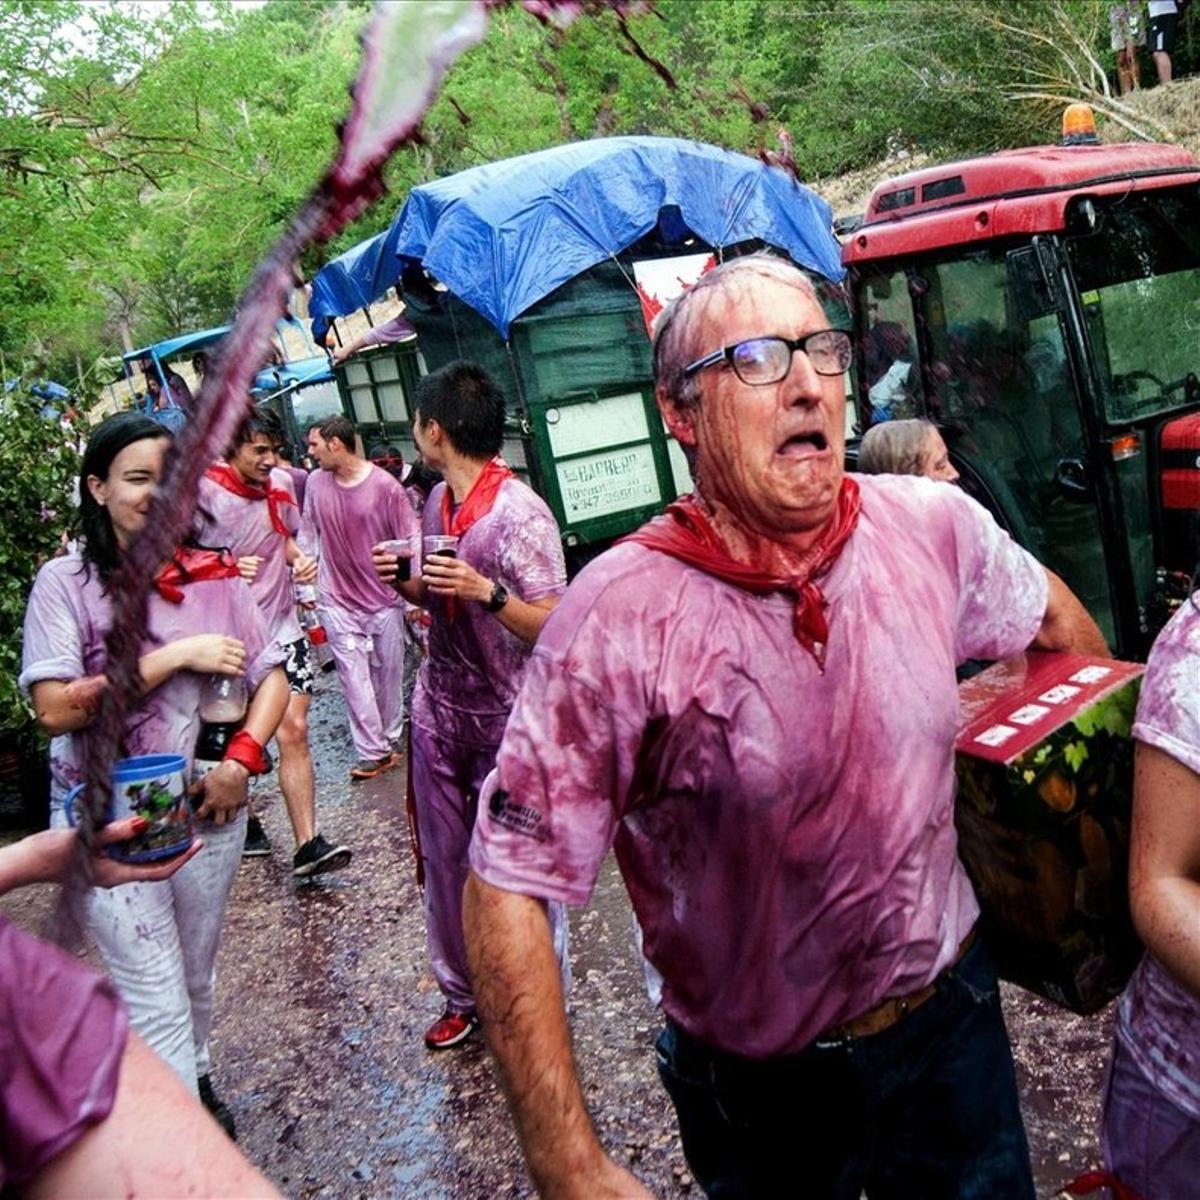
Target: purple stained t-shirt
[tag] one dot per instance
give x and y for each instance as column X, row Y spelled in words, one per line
column 299, row 477
column 62, row 1036
column 1158, row 1019
column 244, row 527
column 66, row 621
column 342, row 524
column 474, row 667
column 787, row 836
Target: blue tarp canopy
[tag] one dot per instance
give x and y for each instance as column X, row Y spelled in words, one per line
column 298, row 371
column 49, row 391
column 358, row 277
column 504, row 235
column 174, row 347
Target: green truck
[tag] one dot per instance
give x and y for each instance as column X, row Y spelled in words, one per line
column 544, row 269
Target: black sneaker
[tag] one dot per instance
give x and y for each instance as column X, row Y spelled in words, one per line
column 216, row 1106
column 317, row 856
column 258, row 845
column 368, row 768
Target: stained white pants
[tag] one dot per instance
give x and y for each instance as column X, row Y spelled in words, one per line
column 159, row 944
column 369, row 651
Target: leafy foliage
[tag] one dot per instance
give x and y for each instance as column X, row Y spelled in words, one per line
column 38, row 465
column 150, row 154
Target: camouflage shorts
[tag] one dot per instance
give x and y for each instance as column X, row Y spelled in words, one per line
column 298, row 667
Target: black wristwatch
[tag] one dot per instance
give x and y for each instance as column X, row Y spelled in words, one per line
column 499, row 598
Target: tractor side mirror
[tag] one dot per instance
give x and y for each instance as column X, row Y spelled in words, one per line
column 1073, row 478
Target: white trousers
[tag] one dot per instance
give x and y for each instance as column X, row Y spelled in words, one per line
column 159, row 944
column 369, row 651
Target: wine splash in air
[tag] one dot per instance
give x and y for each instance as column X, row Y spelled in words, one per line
column 406, row 51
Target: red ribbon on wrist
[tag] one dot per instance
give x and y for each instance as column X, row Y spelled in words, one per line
column 245, row 750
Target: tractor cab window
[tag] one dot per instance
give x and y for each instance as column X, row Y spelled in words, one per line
column 888, row 366
column 1137, row 267
column 1002, row 394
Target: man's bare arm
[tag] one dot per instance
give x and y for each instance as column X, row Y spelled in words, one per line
column 518, row 990
column 1067, row 625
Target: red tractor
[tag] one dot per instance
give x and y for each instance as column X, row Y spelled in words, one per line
column 1042, row 306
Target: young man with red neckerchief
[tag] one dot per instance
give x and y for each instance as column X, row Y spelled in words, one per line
column 487, row 606
column 247, row 503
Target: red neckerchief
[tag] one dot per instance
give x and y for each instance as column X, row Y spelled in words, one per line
column 224, row 475
column 685, row 532
column 190, row 566
column 1093, row 1181
column 478, row 501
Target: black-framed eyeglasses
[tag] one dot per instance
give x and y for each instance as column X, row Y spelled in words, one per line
column 764, row 360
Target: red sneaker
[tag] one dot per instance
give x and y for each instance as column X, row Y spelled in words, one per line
column 450, row 1029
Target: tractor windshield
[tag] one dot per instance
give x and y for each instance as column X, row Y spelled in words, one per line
column 1138, row 275
column 995, row 377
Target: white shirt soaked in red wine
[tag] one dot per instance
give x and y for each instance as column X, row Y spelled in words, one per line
column 243, row 526
column 474, row 667
column 66, row 622
column 786, row 836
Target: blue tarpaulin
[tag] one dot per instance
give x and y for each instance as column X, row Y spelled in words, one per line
column 504, row 235
column 357, row 277
column 177, row 346
column 290, row 374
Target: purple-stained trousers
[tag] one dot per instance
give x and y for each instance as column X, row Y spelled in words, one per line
column 447, row 777
column 368, row 649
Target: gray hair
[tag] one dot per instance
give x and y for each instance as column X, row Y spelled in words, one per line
column 672, row 348
column 895, row 448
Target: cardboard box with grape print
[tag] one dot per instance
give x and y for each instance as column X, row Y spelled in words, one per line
column 1045, row 778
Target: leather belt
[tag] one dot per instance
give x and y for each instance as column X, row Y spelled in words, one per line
column 894, row 1009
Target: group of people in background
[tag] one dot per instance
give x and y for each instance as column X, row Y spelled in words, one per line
column 752, row 700
column 1131, row 32
column 225, row 604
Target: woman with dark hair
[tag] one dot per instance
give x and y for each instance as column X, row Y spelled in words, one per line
column 158, row 939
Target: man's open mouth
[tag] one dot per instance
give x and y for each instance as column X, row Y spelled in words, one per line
column 804, row 443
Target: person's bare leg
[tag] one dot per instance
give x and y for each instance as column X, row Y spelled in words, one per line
column 1162, row 64
column 1135, row 66
column 1124, row 72
column 296, row 779
column 157, row 1141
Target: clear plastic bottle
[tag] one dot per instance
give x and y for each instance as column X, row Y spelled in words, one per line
column 223, row 704
column 224, row 700
column 310, row 622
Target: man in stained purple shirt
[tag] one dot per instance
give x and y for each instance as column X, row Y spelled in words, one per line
column 487, row 605
column 753, row 700
column 83, row 1100
column 286, row 455
column 349, row 506
column 247, row 505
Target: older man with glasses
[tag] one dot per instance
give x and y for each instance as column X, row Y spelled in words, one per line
column 753, row 699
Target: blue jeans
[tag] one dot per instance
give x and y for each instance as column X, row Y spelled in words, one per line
column 925, row 1110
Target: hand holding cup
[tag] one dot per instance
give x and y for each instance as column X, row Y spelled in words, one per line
column 445, row 574
column 392, row 560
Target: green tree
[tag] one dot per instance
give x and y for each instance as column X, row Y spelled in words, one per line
column 37, row 469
